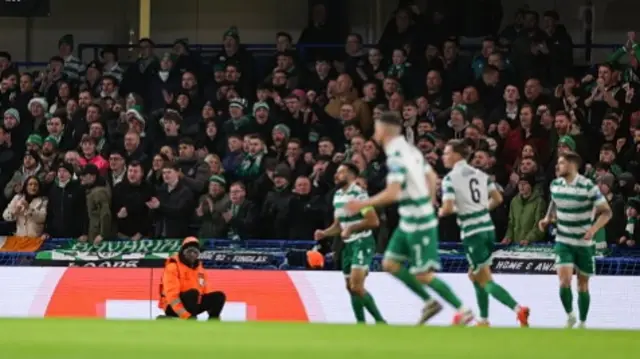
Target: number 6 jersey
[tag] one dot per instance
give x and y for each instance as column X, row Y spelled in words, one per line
column 469, row 188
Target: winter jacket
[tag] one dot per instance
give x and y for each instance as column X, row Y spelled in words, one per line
column 133, row 198
column 29, row 223
column 244, row 223
column 196, row 174
column 360, row 107
column 67, row 211
column 99, row 212
column 175, row 211
column 213, row 224
column 306, row 214
column 98, row 161
column 524, row 215
column 274, row 214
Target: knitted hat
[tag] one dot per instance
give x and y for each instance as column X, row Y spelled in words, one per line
column 40, row 101
column 218, row 179
column 567, row 141
column 238, row 102
column 220, row 67
column 299, row 93
column 52, row 140
column 634, row 202
column 13, row 113
column 282, row 128
column 259, row 105
column 35, row 139
column 233, row 32
column 607, row 179
column 66, row 39
column 67, row 166
column 283, row 171
column 461, row 108
column 136, row 111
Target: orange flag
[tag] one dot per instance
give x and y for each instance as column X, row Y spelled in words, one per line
column 20, row 244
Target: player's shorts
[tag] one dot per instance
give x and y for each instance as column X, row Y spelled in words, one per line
column 580, row 257
column 419, row 248
column 358, row 254
column 478, row 248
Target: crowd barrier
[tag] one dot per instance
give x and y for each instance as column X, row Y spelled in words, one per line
column 276, row 255
column 302, row 296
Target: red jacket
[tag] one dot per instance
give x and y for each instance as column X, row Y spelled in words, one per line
column 98, row 161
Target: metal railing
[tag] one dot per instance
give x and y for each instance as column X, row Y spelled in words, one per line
column 208, row 50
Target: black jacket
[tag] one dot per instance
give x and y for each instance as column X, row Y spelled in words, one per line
column 134, row 199
column 245, row 221
column 196, row 174
column 175, row 211
column 67, row 215
column 306, row 214
column 274, row 214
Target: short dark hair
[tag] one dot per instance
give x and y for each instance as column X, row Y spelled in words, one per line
column 187, row 141
column 608, row 147
column 391, row 118
column 572, row 157
column 459, row 146
column 239, row 184
column 135, row 163
column 172, row 165
column 351, row 167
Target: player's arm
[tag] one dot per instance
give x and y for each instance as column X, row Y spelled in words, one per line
column 495, row 197
column 447, row 207
column 550, row 216
column 395, row 178
column 332, row 231
column 370, row 221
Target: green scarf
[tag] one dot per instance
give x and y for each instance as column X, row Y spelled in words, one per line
column 232, row 233
column 398, row 71
column 250, row 165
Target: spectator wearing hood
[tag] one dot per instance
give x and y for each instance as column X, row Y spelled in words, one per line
column 31, row 166
column 132, row 216
column 275, row 212
column 67, row 215
column 525, row 211
column 183, row 288
column 98, row 200
column 28, row 209
column 194, row 171
column 211, row 209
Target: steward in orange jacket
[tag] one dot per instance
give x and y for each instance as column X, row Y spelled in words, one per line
column 184, row 284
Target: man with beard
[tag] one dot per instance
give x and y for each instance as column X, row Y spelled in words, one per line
column 98, row 205
column 194, row 172
column 359, row 243
column 31, row 166
column 183, row 286
column 133, row 219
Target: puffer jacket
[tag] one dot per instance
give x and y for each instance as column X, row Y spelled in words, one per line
column 524, row 215
column 29, row 223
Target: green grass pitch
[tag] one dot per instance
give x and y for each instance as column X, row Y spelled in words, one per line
column 96, row 339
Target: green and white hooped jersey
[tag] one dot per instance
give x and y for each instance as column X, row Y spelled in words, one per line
column 406, row 165
column 575, row 209
column 469, row 188
column 340, row 198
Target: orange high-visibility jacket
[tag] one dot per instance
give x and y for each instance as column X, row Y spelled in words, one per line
column 178, row 278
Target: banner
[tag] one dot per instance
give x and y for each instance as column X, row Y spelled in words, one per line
column 145, row 253
column 302, row 296
column 118, row 254
column 531, row 260
column 20, row 244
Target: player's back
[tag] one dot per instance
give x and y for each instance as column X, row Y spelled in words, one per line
column 469, row 187
column 406, row 165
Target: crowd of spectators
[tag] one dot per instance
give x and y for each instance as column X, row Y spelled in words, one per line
column 173, row 145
